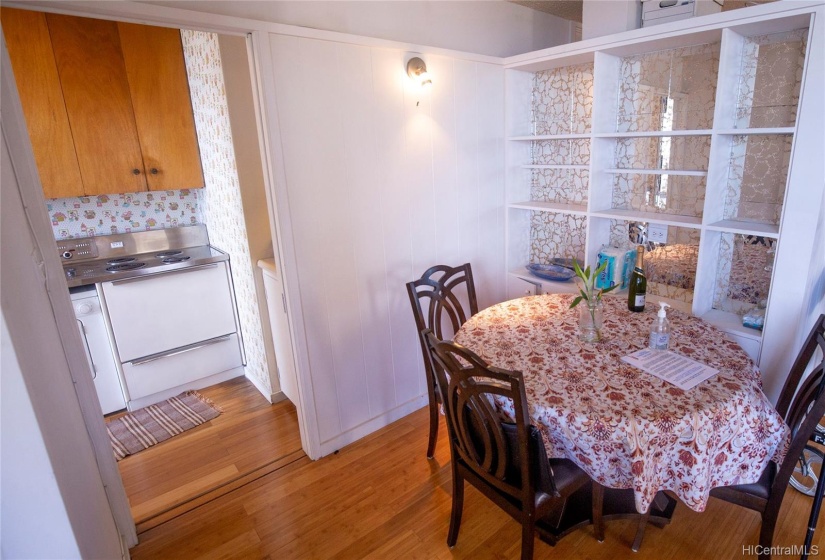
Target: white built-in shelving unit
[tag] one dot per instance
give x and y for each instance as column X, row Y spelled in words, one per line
column 704, row 126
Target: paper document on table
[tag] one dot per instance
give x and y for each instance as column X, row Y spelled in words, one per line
column 673, row 368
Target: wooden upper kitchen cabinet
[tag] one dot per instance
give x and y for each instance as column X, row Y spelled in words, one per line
column 28, row 42
column 124, row 92
column 96, row 93
column 163, row 109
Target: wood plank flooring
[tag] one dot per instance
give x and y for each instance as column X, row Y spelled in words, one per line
column 380, row 498
column 249, row 439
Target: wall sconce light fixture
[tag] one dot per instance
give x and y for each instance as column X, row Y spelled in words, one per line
column 417, row 71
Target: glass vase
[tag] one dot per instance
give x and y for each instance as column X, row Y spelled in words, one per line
column 590, row 321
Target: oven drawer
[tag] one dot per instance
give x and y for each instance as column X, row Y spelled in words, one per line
column 182, row 365
column 154, row 313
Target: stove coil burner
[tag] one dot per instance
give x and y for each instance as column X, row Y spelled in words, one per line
column 121, row 260
column 173, row 260
column 120, row 267
column 167, row 254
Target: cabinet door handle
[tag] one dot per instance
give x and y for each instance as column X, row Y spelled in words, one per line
column 181, row 350
column 135, row 171
column 166, row 272
column 154, row 171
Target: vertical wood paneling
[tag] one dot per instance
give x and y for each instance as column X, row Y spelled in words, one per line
column 309, row 146
column 445, row 190
column 334, row 200
column 395, row 221
column 419, row 182
column 466, row 138
column 367, row 386
column 490, row 124
column 384, row 180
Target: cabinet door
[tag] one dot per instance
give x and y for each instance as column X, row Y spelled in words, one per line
column 163, row 108
column 96, row 91
column 30, row 50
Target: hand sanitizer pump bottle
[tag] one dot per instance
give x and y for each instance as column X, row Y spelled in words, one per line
column 660, row 330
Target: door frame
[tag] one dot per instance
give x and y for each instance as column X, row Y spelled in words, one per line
column 32, row 193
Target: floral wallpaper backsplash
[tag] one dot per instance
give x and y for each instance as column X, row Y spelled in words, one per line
column 107, row 214
column 221, row 203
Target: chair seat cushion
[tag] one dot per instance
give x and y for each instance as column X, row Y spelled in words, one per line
column 553, row 476
column 568, row 475
column 760, row 489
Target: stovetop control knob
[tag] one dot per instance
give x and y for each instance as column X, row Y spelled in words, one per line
column 66, row 254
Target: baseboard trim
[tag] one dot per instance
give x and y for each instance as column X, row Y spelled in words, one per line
column 370, row 426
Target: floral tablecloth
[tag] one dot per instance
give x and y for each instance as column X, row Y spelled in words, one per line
column 624, row 427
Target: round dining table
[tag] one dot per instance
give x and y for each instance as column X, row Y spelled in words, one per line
column 626, row 428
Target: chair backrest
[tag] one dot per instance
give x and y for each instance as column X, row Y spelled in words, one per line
column 508, row 456
column 816, row 338
column 807, row 403
column 435, row 299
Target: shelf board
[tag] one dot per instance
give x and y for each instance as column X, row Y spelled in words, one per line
column 575, row 209
column 550, row 137
column 652, row 133
column 686, row 172
column 656, row 217
column 748, row 131
column 558, row 166
column 732, row 323
column 745, row 228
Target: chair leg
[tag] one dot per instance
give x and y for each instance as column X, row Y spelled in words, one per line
column 433, row 439
column 598, row 509
column 528, row 530
column 640, row 531
column 766, row 536
column 458, row 506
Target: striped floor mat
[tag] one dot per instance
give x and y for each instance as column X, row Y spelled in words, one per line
column 148, row 426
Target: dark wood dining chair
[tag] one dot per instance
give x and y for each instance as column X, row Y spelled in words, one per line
column 504, row 460
column 436, row 305
column 802, row 405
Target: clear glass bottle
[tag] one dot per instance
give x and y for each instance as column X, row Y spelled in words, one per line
column 638, row 283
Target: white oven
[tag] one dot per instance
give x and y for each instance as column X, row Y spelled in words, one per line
column 173, row 330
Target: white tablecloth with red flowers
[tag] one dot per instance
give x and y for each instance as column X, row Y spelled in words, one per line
column 624, row 427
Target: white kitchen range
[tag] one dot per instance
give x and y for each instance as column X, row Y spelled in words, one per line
column 157, row 313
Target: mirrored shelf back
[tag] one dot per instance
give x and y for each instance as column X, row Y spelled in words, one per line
column 673, row 89
column 770, row 79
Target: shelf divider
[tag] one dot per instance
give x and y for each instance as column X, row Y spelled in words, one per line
column 540, row 206
column 684, row 172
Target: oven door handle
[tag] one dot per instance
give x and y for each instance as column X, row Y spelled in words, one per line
column 180, row 350
column 166, row 272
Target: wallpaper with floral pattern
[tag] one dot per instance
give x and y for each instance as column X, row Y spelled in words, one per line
column 107, row 214
column 221, row 205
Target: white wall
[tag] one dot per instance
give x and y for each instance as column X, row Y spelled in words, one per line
column 493, row 28
column 381, row 181
column 603, row 17
column 33, row 520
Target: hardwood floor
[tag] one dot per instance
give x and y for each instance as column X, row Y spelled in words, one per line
column 249, row 439
column 380, row 498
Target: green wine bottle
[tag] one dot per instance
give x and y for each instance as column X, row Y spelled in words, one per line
column 638, row 283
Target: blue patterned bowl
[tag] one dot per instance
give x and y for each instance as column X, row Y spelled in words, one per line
column 551, row 272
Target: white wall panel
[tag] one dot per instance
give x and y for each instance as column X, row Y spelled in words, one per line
column 383, row 181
